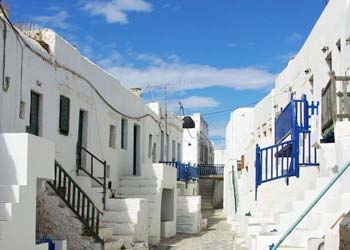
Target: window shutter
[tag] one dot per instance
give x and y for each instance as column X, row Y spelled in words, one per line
column 34, row 113
column 64, row 115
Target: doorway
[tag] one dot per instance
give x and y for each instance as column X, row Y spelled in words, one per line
column 34, row 119
column 136, row 151
column 82, row 138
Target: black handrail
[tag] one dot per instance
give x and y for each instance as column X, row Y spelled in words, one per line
column 103, row 183
column 211, row 169
column 77, row 200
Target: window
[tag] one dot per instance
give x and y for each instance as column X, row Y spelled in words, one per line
column 179, row 152
column 112, row 135
column 173, row 150
column 154, row 153
column 124, row 134
column 162, row 146
column 150, row 144
column 34, row 118
column 167, row 148
column 64, row 115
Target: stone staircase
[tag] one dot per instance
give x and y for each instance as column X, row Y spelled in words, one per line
column 141, row 187
column 58, row 221
column 206, row 192
column 9, row 194
column 279, row 206
column 126, row 217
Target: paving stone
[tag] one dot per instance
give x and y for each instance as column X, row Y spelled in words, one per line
column 218, row 235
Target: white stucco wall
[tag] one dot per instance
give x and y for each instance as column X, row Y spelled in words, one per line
column 219, row 156
column 51, row 82
column 307, row 73
column 36, row 156
column 195, row 140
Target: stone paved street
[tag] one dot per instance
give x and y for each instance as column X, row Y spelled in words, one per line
column 217, row 236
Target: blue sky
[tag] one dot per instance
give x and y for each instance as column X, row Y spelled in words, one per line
column 214, row 55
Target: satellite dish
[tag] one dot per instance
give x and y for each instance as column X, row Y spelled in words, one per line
column 188, row 122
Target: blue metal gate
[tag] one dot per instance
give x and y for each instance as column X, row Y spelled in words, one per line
column 292, row 147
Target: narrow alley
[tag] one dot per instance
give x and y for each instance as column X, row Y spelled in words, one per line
column 218, row 235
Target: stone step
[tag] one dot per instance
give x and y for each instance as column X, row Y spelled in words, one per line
column 138, row 191
column 105, row 233
column 121, row 228
column 129, row 216
column 114, row 244
column 150, row 198
column 122, row 204
column 137, row 178
column 126, row 237
column 138, row 183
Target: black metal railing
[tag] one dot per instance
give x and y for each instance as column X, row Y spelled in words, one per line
column 211, row 169
column 90, row 170
column 77, row 200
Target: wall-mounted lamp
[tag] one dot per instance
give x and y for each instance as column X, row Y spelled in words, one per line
column 307, row 71
column 325, row 49
column 347, row 40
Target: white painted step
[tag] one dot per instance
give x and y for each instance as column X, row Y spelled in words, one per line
column 137, row 190
column 121, row 228
column 5, row 211
column 122, row 204
column 130, row 216
column 138, row 183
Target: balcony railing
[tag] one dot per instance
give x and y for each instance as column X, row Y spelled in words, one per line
column 211, row 169
column 185, row 172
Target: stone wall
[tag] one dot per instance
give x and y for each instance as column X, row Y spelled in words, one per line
column 56, row 220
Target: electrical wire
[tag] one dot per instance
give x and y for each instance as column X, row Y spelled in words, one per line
column 60, row 66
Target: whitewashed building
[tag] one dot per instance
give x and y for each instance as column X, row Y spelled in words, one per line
column 265, row 212
column 197, row 148
column 94, row 140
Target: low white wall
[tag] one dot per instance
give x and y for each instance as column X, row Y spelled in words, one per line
column 37, row 154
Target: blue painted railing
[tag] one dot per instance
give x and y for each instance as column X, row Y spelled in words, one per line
column 283, row 160
column 185, row 171
column 48, row 240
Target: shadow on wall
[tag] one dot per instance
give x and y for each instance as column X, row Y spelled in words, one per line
column 9, row 182
column 218, row 194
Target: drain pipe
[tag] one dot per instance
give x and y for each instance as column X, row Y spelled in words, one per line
column 310, row 207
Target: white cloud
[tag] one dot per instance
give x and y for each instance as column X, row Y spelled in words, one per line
column 193, row 76
column 151, row 59
column 286, row 57
column 110, row 61
column 115, row 11
column 194, row 102
column 57, row 20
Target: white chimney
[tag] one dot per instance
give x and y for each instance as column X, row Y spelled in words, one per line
column 137, row 91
